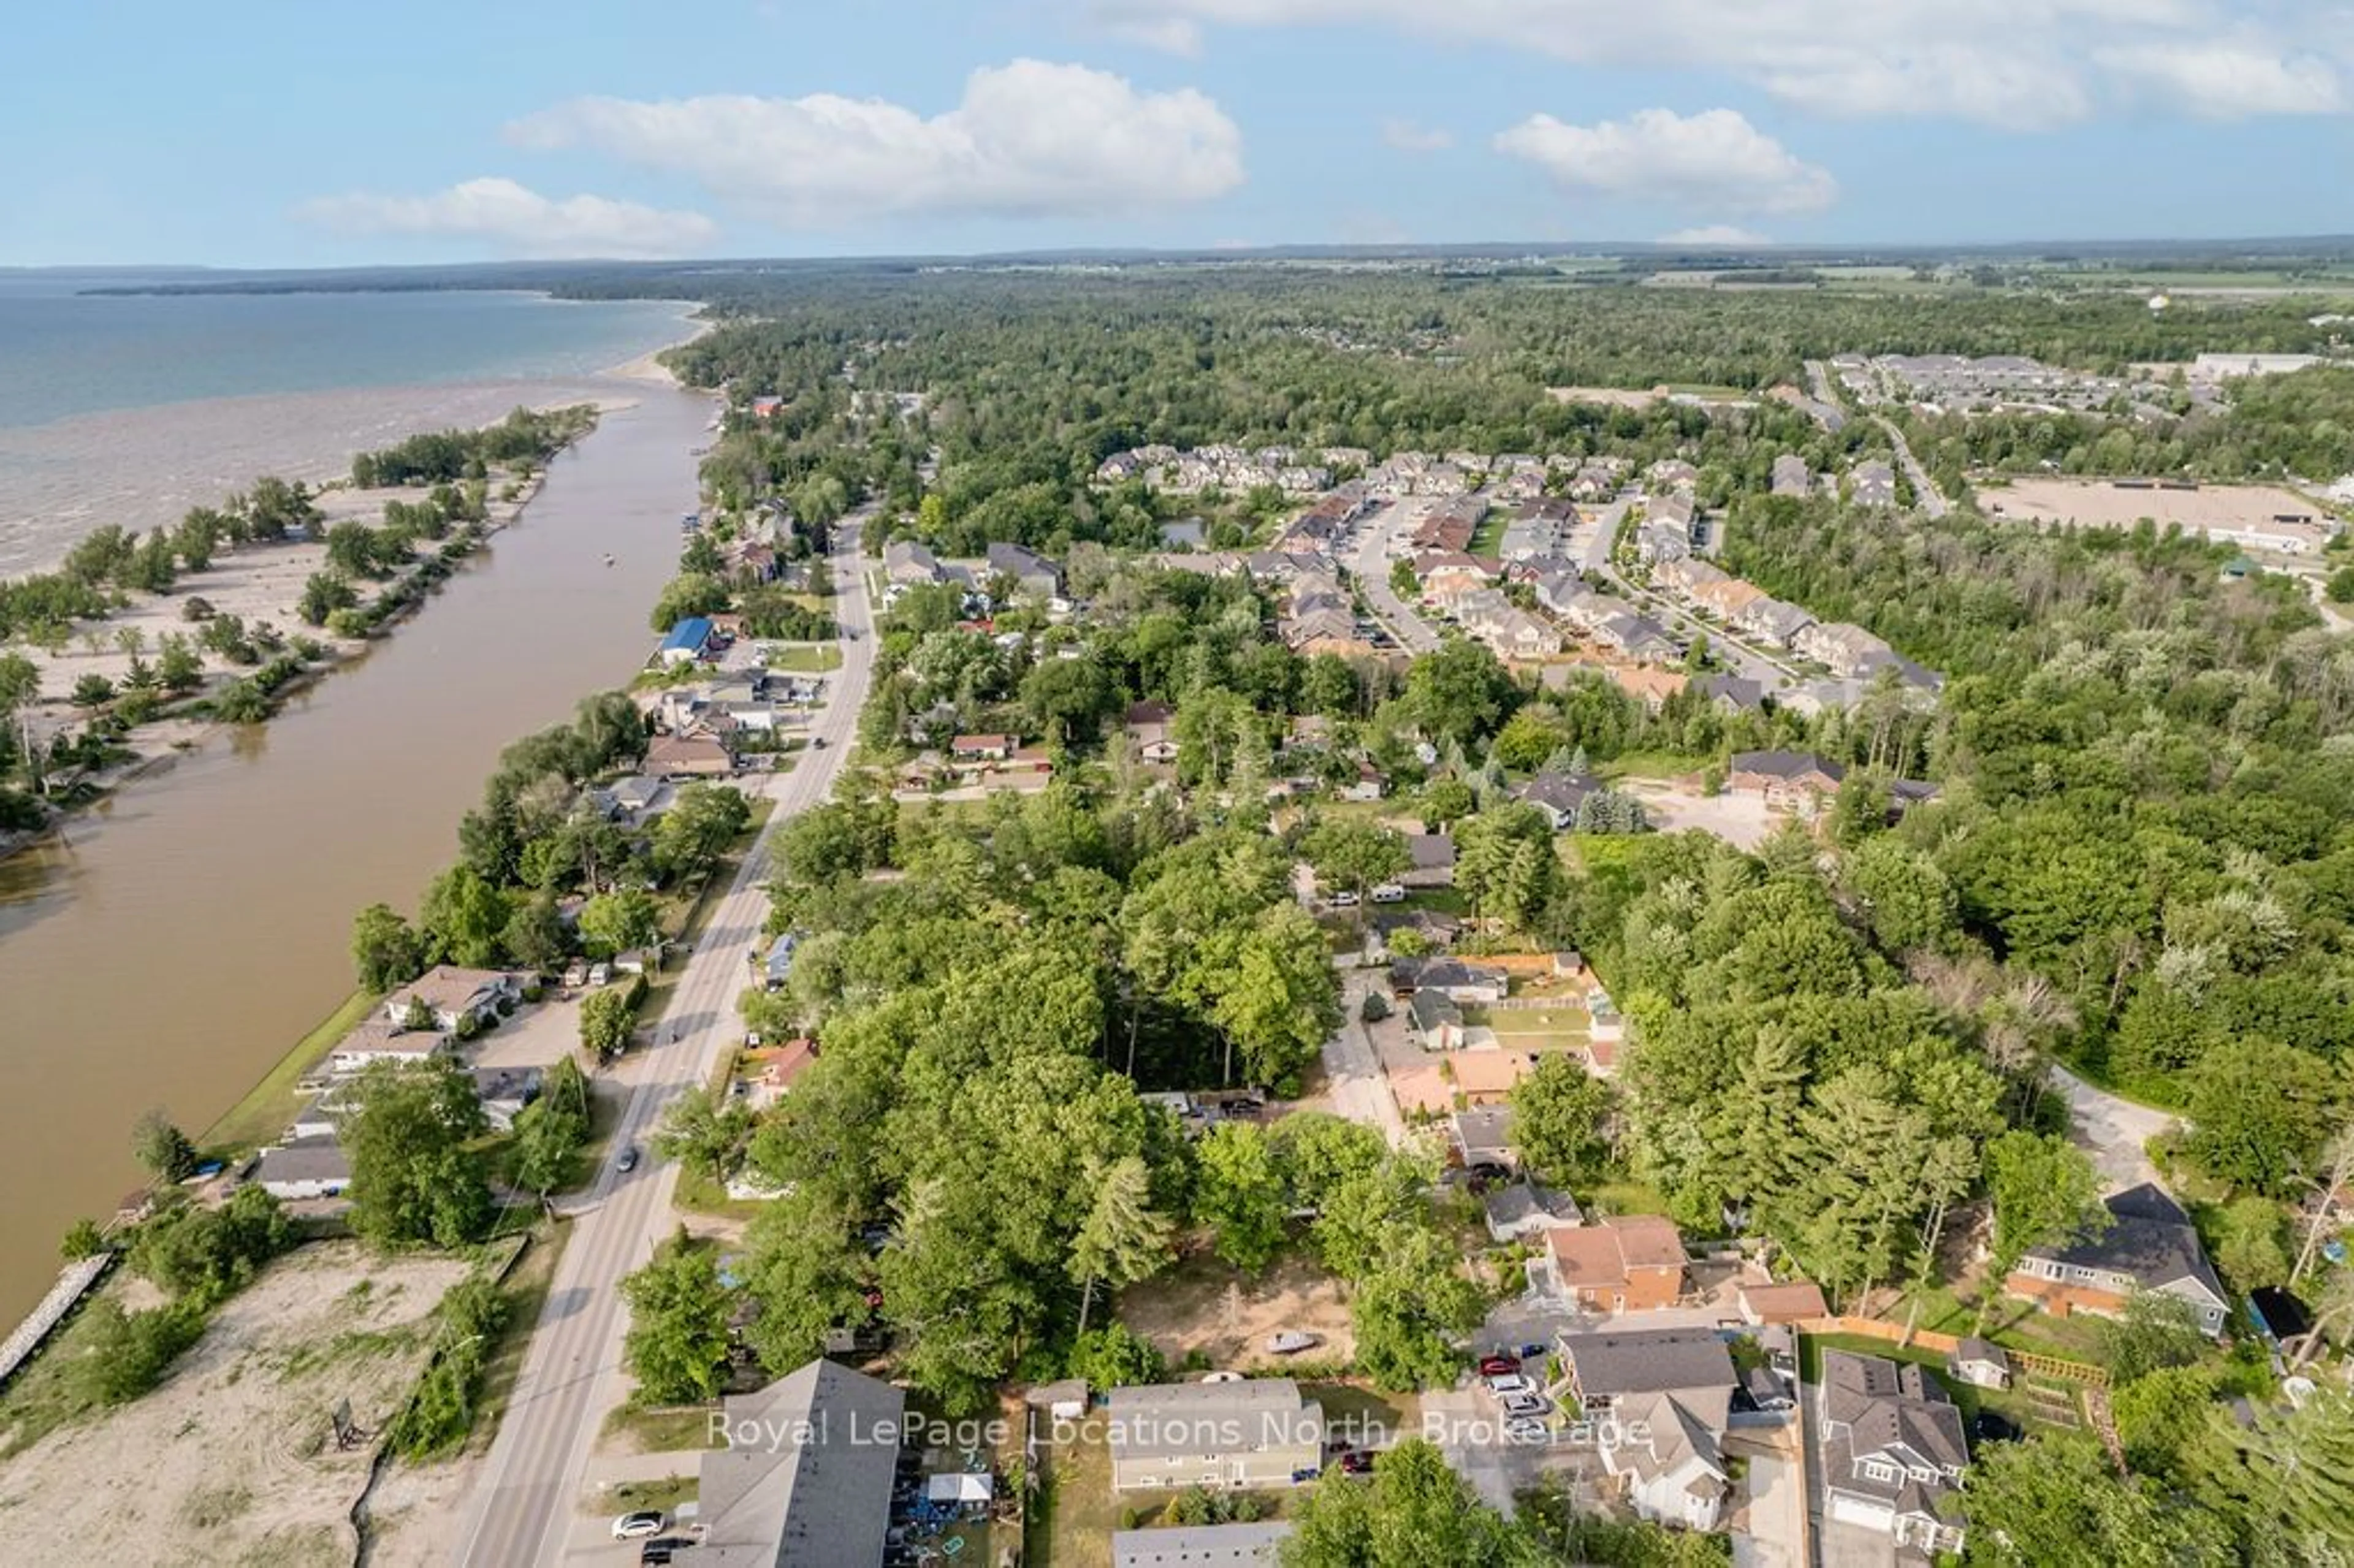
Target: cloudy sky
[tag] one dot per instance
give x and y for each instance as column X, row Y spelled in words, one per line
column 278, row 132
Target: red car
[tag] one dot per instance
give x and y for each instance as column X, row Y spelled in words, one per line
column 1499, row 1366
column 1356, row 1462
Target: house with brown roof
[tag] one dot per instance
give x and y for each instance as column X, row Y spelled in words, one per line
column 1793, row 1301
column 687, row 756
column 982, row 748
column 1632, row 1263
column 1791, row 779
column 451, row 995
column 1725, row 599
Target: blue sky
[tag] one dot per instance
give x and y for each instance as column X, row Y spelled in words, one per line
column 274, row 133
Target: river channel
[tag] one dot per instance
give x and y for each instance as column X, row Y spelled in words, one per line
column 180, row 940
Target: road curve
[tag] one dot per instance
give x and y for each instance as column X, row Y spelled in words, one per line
column 522, row 1506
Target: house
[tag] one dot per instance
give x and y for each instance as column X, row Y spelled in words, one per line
column 1254, row 1545
column 1671, row 474
column 1875, row 484
column 1559, row 795
column 1683, row 576
column 1660, row 539
column 307, row 1167
column 1257, row 1432
column 1725, row 599
column 1032, row 572
column 1482, row 1135
column 1149, row 729
column 1771, row 620
column 1848, row 649
column 688, row 756
column 1433, row 860
column 1793, row 779
column 451, row 995
column 1461, row 982
column 906, row 564
column 1591, row 611
column 1981, row 1364
column 1731, row 693
column 777, row 964
column 381, row 1039
column 1632, row 1263
column 1669, row 1394
column 1792, row 476
column 1796, row 1301
column 2149, row 1244
column 1638, row 637
column 1486, row 1076
column 971, row 748
column 1525, row 1209
column 686, row 642
column 1517, row 634
column 806, row 1478
column 1894, row 1450
column 1437, row 1023
column 1370, row 783
column 635, row 802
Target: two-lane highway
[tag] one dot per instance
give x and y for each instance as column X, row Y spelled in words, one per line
column 522, row 1508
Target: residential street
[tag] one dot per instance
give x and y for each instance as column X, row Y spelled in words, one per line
column 1371, row 565
column 1353, row 1069
column 1924, row 490
column 523, row 1507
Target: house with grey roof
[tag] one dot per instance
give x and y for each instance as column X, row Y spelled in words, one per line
column 1660, row 540
column 1253, row 1545
column 1791, row 475
column 313, row 1167
column 1894, row 1450
column 1432, row 861
column 1732, row 693
column 1669, row 1392
column 1770, row 620
column 1559, row 795
column 2148, row 1244
column 909, row 564
column 1874, row 484
column 805, row 1480
column 1436, row 1020
column 1482, row 1135
column 1257, row 1432
column 1527, row 1209
column 1798, row 779
column 1846, row 647
column 1032, row 572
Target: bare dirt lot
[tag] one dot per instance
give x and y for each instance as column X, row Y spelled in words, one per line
column 1203, row 1305
column 231, row 1460
column 2097, row 502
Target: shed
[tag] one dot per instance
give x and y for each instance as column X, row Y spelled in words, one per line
column 972, row 1487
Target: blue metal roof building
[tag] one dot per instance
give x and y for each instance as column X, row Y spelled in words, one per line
column 686, row 639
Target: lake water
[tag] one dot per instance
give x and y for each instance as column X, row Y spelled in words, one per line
column 132, row 409
column 190, row 931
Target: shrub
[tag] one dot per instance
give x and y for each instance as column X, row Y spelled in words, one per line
column 130, row 1351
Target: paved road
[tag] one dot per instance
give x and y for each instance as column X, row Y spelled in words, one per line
column 1825, row 407
column 1353, row 1068
column 1371, row 565
column 1924, row 490
column 522, row 1508
column 2113, row 1132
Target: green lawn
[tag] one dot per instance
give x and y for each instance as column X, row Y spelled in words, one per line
column 631, row 1497
column 2014, row 1324
column 2014, row 1402
column 1489, row 537
column 1652, row 765
column 1629, row 1198
column 630, row 1430
column 261, row 1114
column 807, row 658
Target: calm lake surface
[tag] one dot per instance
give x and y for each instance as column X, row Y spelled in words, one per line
column 197, row 926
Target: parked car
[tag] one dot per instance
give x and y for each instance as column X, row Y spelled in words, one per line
column 1525, row 1404
column 645, row 1521
column 1291, row 1341
column 1357, row 1462
column 662, row 1549
column 1991, row 1427
column 1527, row 1429
column 1499, row 1366
column 1342, row 900
column 627, row 1161
column 1504, row 1385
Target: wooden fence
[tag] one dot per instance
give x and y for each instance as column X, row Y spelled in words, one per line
column 2022, row 1361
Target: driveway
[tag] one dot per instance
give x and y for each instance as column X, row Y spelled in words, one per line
column 1742, row 821
column 2114, row 1131
column 1770, row 1510
column 1352, row 1071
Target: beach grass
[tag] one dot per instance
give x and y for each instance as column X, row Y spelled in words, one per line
column 261, row 1116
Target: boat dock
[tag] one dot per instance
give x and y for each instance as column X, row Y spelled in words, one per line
column 75, row 1281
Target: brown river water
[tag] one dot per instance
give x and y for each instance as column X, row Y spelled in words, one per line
column 192, row 929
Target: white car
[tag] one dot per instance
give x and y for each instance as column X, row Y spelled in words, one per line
column 630, row 1526
column 1342, row 901
column 1510, row 1384
column 1524, row 1404
column 1526, row 1429
column 1389, row 893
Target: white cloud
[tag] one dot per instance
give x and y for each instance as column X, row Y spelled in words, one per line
column 519, row 220
column 2014, row 63
column 1178, row 35
column 1411, row 136
column 1714, row 160
column 1713, row 234
column 1029, row 140
column 2230, row 82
